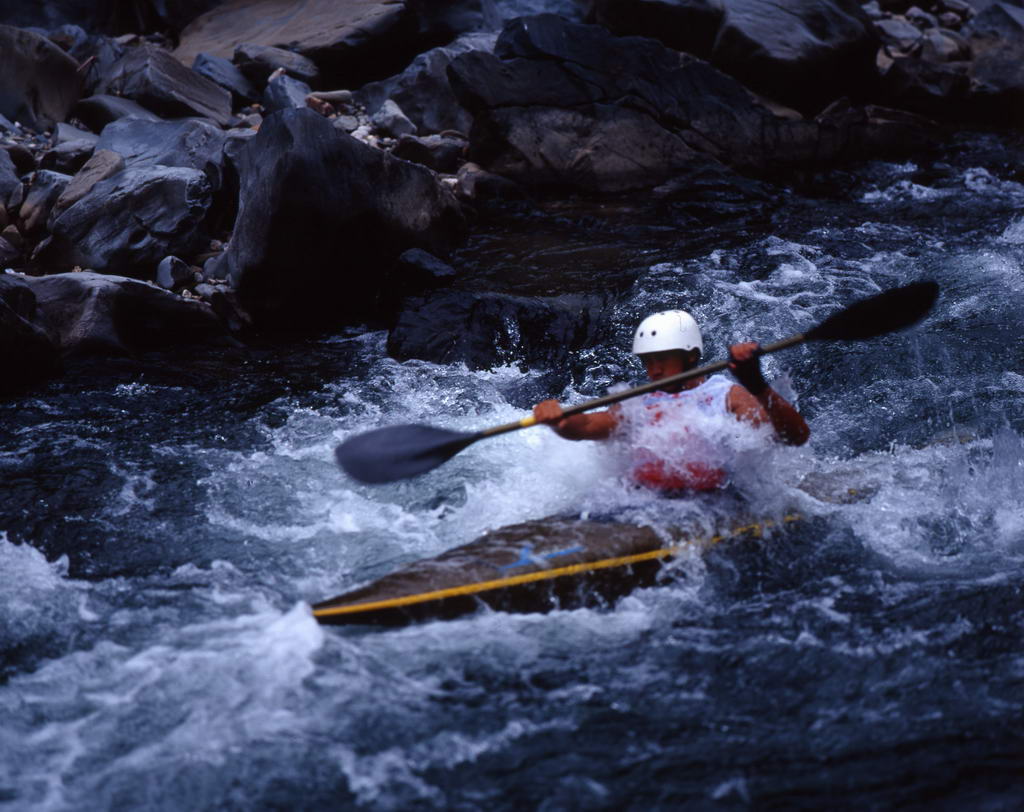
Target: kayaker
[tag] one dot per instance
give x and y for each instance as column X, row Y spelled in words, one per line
column 668, row 343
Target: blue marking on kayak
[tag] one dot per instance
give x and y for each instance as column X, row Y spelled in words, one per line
column 526, row 556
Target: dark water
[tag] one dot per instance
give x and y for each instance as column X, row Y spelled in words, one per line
column 167, row 524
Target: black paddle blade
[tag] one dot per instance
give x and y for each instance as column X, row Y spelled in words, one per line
column 398, row 452
column 885, row 313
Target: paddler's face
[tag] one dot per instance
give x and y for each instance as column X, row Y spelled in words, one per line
column 669, row 362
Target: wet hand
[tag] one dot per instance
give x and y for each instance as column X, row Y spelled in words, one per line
column 548, row 411
column 745, row 365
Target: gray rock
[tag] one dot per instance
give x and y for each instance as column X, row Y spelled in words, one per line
column 283, row 93
column 690, row 26
column 96, row 112
column 173, row 273
column 44, row 190
column 11, row 188
column 95, row 52
column 155, row 79
column 39, row 83
column 193, row 143
column 102, row 165
column 28, row 353
column 921, row 18
column 442, row 153
column 97, row 314
column 390, row 120
column 72, row 148
column 258, row 62
column 129, row 222
column 304, row 262
column 939, row 45
column 347, row 124
column 221, row 71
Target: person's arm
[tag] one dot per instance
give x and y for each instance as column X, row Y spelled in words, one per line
column 588, row 426
column 757, row 403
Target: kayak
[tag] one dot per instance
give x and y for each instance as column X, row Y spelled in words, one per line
column 535, row 566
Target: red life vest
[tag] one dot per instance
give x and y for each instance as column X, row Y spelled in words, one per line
column 677, row 412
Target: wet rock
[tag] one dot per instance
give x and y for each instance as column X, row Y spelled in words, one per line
column 39, row 83
column 816, row 52
column 97, row 314
column 96, row 112
column 422, row 90
column 569, row 106
column 479, row 185
column 390, row 120
column 301, row 261
column 690, row 26
column 193, row 143
column 129, row 222
column 173, row 273
column 283, row 93
column 72, row 148
column 158, row 81
column 258, row 62
column 898, row 34
column 11, row 188
column 221, row 71
column 351, row 42
column 102, row 165
column 420, row 270
column 94, row 53
column 27, row 352
column 860, row 133
column 442, row 153
column 483, row 330
column 43, row 191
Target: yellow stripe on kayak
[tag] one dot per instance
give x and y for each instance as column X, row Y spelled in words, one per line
column 544, row 575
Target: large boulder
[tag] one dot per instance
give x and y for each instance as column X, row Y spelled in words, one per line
column 566, row 105
column 27, row 352
column 97, row 111
column 39, row 83
column 96, row 314
column 192, row 143
column 129, row 222
column 106, row 16
column 422, row 90
column 483, row 330
column 12, row 190
column 320, row 215
column 803, row 53
column 156, row 80
column 353, row 41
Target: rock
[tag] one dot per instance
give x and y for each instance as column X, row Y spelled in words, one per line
column 352, row 42
column 228, row 76
column 39, row 83
column 483, row 330
column 898, row 33
column 477, row 184
column 108, row 16
column 12, row 191
column 422, row 90
column 22, row 158
column 569, row 106
column 27, row 352
column 97, row 53
column 73, row 147
column 921, row 18
column 173, row 273
column 1001, row 21
column 690, row 26
column 258, row 62
column 939, row 45
column 283, row 92
column 43, row 191
column 442, row 153
column 934, row 89
column 347, row 124
column 866, row 132
column 192, row 143
column 816, row 52
column 10, row 254
column 102, row 165
column 302, row 261
column 158, row 81
column 420, row 270
column 96, row 314
column 129, row 222
column 390, row 120
column 96, row 112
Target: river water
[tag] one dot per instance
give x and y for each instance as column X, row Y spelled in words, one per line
column 165, row 525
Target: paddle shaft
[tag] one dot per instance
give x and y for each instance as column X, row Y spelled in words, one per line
column 651, row 386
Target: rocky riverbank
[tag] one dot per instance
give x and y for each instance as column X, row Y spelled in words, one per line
column 258, row 168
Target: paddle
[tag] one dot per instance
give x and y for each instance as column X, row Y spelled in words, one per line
column 399, row 452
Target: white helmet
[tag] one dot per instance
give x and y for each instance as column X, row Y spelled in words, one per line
column 669, row 330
